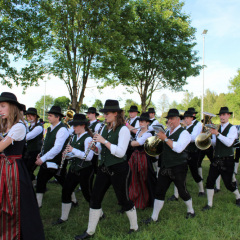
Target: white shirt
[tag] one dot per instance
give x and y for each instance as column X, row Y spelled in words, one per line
column 182, row 142
column 229, row 139
column 123, row 141
column 195, row 132
column 61, row 137
column 155, row 122
column 80, row 154
column 35, row 132
column 98, row 125
column 141, row 140
column 198, row 126
column 17, row 132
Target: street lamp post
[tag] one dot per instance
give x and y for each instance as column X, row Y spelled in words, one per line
column 203, row 33
column 44, row 100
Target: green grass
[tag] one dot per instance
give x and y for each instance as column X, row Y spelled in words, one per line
column 222, row 222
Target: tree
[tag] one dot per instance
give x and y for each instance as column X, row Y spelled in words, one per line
column 62, row 102
column 186, row 100
column 83, row 108
column 128, row 104
column 98, row 104
column 209, row 101
column 39, row 105
column 163, row 104
column 160, row 50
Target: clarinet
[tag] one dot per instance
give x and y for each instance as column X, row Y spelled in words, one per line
column 64, row 156
column 91, row 145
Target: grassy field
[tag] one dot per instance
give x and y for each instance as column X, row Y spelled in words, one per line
column 221, row 223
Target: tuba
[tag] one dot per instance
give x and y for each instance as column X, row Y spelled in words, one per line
column 153, row 146
column 69, row 117
column 203, row 140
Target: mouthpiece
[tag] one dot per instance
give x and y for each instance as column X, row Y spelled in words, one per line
column 2, row 115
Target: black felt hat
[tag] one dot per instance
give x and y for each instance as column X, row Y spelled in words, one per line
column 188, row 114
column 144, row 117
column 133, row 108
column 173, row 113
column 32, row 111
column 11, row 98
column 56, row 110
column 192, row 110
column 79, row 119
column 111, row 106
column 151, row 110
column 92, row 110
column 224, row 110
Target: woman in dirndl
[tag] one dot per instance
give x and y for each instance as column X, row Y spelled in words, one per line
column 19, row 213
column 141, row 189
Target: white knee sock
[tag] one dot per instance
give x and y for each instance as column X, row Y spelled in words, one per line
column 200, row 172
column 210, row 193
column 39, row 199
column 158, row 204
column 73, row 197
column 176, row 194
column 236, row 193
column 66, row 207
column 132, row 216
column 218, row 182
column 189, row 206
column 200, row 186
column 94, row 215
column 236, row 167
column 234, row 177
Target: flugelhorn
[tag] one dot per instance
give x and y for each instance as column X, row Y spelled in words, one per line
column 153, row 146
column 203, row 140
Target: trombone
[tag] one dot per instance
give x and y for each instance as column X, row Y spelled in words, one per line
column 203, row 140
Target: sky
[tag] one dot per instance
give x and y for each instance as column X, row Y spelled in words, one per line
column 221, row 56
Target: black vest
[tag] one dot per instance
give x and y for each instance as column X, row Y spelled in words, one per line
column 133, row 125
column 191, row 146
column 35, row 144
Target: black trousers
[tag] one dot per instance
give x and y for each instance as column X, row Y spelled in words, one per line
column 237, row 155
column 30, row 159
column 193, row 166
column 45, row 174
column 225, row 168
column 84, row 177
column 116, row 175
column 203, row 153
column 176, row 174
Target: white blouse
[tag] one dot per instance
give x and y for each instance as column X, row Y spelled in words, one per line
column 17, row 132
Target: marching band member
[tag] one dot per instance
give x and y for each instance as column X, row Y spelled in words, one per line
column 94, row 126
column 223, row 162
column 154, row 121
column 113, row 170
column 173, row 166
column 56, row 137
column 19, row 213
column 34, row 140
column 76, row 173
column 143, row 178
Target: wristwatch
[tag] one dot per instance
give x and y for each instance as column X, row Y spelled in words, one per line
column 166, row 139
column 106, row 141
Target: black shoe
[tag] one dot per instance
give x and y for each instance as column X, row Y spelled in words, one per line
column 238, row 202
column 173, row 198
column 132, row 231
column 148, row 221
column 190, row 215
column 216, row 190
column 207, row 207
column 85, row 235
column 102, row 217
column 74, row 204
column 201, row 194
column 59, row 221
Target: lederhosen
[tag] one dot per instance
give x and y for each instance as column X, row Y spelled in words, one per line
column 111, row 171
column 192, row 159
column 130, row 148
column 173, row 169
column 33, row 149
column 95, row 157
column 19, row 213
column 77, row 174
column 45, row 174
column 141, row 189
column 223, row 164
